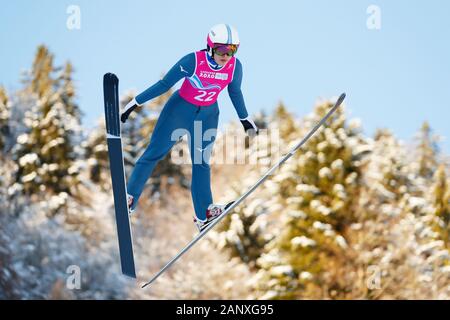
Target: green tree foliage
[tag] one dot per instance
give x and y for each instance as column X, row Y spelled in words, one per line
column 46, row 153
column 284, row 121
column 318, row 190
column 427, row 151
column 241, row 233
column 441, row 202
column 389, row 166
column 4, row 117
column 66, row 91
column 96, row 155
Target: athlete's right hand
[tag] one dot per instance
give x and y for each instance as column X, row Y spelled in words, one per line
column 128, row 109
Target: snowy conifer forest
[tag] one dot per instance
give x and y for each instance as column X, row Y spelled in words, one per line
column 349, row 216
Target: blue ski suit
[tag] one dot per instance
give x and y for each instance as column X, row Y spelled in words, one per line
column 178, row 117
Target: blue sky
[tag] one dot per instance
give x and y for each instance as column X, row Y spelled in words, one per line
column 295, row 51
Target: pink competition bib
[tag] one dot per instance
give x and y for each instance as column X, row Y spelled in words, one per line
column 203, row 88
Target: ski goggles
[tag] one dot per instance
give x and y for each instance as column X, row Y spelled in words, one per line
column 225, row 49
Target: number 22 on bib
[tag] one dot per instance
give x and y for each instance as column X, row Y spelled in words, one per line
column 204, row 86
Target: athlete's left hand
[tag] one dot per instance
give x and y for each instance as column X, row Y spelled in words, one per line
column 249, row 126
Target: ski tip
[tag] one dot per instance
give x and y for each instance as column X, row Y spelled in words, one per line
column 109, row 76
column 341, row 98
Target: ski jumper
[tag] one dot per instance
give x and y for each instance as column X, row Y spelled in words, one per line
column 194, row 110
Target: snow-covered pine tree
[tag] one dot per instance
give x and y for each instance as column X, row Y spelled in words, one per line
column 318, row 189
column 427, row 151
column 384, row 185
column 96, row 155
column 242, row 232
column 386, row 179
column 5, row 114
column 8, row 277
column 245, row 232
column 46, row 152
column 72, row 126
column 285, row 122
column 66, row 90
column 394, row 234
column 389, row 161
column 440, row 202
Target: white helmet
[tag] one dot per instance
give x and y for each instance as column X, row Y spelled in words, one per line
column 223, row 34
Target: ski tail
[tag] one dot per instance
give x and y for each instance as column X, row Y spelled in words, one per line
column 111, row 98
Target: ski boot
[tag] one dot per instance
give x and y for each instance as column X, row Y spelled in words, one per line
column 130, row 200
column 212, row 213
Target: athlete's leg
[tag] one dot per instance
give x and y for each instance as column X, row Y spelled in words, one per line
column 174, row 116
column 202, row 137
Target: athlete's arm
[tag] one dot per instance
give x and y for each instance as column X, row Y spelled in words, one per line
column 235, row 93
column 183, row 68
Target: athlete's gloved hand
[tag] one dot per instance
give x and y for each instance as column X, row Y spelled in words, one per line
column 250, row 127
column 129, row 108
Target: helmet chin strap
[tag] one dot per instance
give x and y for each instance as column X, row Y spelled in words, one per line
column 210, row 51
column 211, row 60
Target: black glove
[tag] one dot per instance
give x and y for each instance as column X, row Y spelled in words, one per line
column 249, row 126
column 129, row 108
